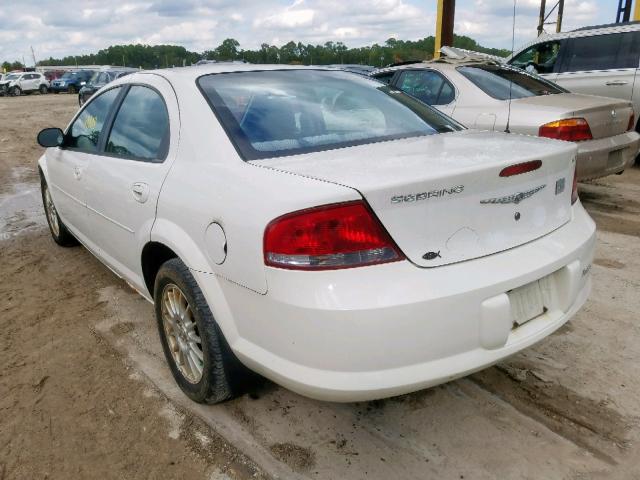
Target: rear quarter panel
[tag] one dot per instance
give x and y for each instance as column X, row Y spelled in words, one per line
column 209, row 183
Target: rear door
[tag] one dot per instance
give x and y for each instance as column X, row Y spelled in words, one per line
column 124, row 181
column 602, row 65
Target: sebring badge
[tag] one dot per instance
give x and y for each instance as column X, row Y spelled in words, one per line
column 515, row 198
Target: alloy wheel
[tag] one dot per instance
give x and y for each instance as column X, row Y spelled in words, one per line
column 182, row 334
column 52, row 214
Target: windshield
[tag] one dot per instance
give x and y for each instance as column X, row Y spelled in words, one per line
column 13, row 76
column 287, row 112
column 69, row 75
column 503, row 83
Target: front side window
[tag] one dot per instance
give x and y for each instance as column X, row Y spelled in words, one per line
column 539, row 58
column 287, row 112
column 601, row 52
column 427, row 86
column 503, row 83
column 141, row 127
column 84, row 133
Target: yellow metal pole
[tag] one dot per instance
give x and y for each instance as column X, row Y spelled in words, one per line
column 438, row 41
column 636, row 11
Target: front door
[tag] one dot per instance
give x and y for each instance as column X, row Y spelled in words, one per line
column 66, row 165
column 124, row 182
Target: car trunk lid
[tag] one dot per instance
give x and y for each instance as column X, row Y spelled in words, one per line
column 441, row 197
column 606, row 116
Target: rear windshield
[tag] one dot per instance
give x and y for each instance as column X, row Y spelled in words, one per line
column 503, row 83
column 286, row 112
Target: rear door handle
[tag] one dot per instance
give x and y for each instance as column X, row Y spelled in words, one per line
column 140, row 191
column 616, row 83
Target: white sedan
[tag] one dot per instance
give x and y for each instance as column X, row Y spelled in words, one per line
column 330, row 233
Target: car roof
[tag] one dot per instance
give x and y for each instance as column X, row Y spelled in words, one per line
column 582, row 32
column 193, row 72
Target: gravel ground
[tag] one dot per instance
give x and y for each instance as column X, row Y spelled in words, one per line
column 85, row 393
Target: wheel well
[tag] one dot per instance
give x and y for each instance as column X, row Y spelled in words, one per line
column 154, row 254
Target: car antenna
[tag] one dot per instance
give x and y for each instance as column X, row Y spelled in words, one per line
column 513, row 37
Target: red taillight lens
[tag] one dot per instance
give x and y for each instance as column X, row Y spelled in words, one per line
column 632, row 123
column 570, row 130
column 519, row 168
column 574, row 187
column 341, row 235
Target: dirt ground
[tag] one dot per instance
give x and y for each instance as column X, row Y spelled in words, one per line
column 85, row 392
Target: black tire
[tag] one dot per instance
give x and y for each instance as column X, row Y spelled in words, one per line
column 223, row 376
column 56, row 92
column 43, row 89
column 62, row 236
column 71, row 89
column 15, row 91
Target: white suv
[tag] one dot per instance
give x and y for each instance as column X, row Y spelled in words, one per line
column 24, row 82
column 601, row 60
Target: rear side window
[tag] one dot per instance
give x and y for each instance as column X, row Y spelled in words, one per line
column 276, row 113
column 141, row 128
column 384, row 77
column 84, row 133
column 427, row 86
column 503, row 83
column 601, row 52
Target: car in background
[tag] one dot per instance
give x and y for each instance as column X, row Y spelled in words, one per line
column 17, row 83
column 600, row 60
column 489, row 95
column 71, row 82
column 99, row 79
column 333, row 234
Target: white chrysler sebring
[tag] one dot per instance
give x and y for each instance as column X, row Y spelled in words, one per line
column 326, row 231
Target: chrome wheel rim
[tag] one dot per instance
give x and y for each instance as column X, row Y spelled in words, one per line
column 182, row 333
column 52, row 215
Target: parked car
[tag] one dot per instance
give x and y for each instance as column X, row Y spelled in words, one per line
column 17, row 83
column 600, row 60
column 99, row 79
column 476, row 93
column 336, row 236
column 71, row 82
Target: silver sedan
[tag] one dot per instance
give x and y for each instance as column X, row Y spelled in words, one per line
column 487, row 95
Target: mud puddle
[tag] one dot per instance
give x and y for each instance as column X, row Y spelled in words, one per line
column 21, row 211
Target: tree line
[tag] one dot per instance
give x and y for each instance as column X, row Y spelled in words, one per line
column 160, row 56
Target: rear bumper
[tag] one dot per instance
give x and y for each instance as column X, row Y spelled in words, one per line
column 606, row 156
column 380, row 331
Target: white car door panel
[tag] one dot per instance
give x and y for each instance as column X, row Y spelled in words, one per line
column 606, row 83
column 122, row 185
column 65, row 170
column 67, row 165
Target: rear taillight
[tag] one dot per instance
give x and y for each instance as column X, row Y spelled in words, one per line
column 570, row 130
column 574, row 187
column 632, row 123
column 340, row 235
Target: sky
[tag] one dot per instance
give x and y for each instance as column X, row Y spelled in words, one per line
column 68, row 27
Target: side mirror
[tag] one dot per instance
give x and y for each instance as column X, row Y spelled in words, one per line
column 50, row 137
